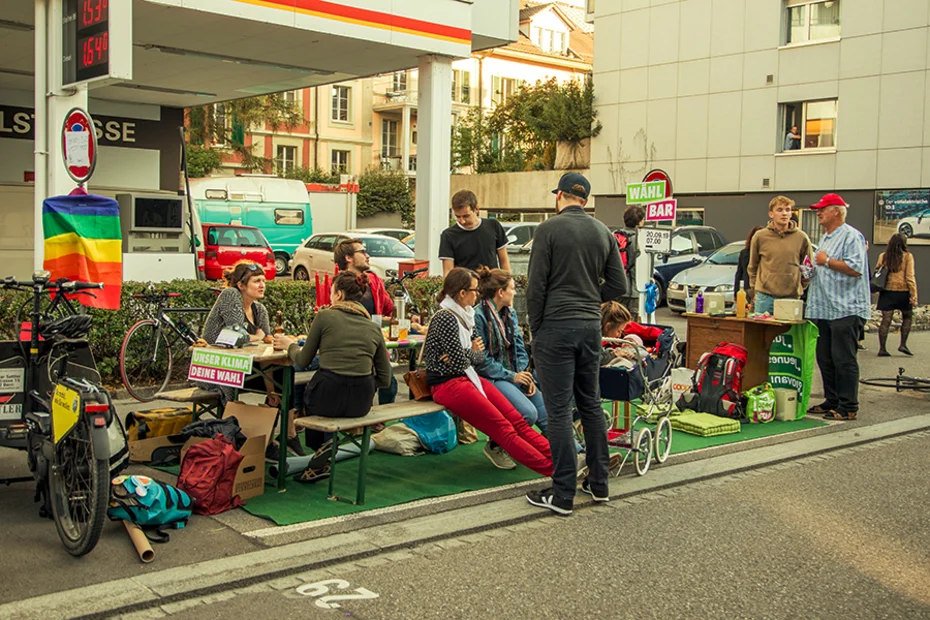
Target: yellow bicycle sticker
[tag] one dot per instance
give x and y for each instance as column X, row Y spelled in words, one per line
column 66, row 409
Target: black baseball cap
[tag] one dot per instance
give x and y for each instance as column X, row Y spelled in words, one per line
column 575, row 184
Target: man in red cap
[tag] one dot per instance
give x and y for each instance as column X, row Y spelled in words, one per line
column 838, row 302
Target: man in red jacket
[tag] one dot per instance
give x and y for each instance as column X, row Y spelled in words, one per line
column 350, row 255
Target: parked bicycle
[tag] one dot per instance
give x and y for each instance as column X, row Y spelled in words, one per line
column 900, row 382
column 59, row 414
column 395, row 283
column 147, row 354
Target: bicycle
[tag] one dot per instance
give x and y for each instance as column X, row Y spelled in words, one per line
column 148, row 349
column 63, row 420
column 392, row 284
column 900, row 382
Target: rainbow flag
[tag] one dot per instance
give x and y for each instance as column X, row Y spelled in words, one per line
column 83, row 242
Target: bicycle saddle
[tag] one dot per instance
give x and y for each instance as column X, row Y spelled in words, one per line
column 70, row 327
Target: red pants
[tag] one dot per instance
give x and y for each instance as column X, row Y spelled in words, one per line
column 496, row 417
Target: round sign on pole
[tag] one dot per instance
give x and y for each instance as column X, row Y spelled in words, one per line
column 660, row 175
column 79, row 145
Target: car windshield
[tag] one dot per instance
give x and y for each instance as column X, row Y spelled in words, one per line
column 727, row 255
column 386, row 248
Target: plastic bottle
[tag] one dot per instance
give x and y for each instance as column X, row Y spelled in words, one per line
column 741, row 304
column 699, row 303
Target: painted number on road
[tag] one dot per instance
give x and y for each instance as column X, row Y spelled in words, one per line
column 330, row 601
column 657, row 240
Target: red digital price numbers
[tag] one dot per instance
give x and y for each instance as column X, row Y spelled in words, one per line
column 92, row 12
column 94, row 50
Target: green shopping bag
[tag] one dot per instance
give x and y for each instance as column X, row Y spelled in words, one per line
column 791, row 362
column 760, row 403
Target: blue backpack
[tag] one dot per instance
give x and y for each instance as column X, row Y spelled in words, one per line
column 149, row 504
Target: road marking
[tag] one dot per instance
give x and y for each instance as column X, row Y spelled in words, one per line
column 330, row 601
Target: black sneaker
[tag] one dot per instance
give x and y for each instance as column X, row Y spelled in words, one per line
column 599, row 496
column 547, row 499
column 294, row 445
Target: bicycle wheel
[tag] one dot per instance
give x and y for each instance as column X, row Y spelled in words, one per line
column 80, row 490
column 145, row 360
column 899, row 383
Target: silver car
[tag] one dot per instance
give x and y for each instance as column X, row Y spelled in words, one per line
column 714, row 275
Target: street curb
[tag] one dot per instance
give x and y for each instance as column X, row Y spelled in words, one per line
column 223, row 575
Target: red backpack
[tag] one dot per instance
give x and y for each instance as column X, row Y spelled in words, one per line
column 718, row 382
column 627, row 256
column 208, row 473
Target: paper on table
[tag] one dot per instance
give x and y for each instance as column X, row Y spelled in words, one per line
column 77, row 145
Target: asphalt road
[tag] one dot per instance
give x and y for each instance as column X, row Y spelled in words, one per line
column 841, row 535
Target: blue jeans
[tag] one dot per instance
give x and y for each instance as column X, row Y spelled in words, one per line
column 532, row 408
column 763, row 303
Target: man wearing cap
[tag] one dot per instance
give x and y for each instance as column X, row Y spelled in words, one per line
column 838, row 302
column 574, row 267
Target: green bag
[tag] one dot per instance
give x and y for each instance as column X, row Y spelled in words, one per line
column 760, row 403
column 791, row 362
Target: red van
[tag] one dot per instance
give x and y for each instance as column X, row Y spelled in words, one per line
column 227, row 244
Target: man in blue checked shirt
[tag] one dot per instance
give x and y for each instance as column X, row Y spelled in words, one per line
column 838, row 302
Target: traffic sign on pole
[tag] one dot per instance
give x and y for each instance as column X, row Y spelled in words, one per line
column 79, row 145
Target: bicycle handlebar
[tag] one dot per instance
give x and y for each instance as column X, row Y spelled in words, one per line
column 62, row 284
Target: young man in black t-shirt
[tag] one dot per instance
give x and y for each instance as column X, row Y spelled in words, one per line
column 472, row 241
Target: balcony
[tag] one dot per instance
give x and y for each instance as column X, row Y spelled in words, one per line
column 396, row 100
column 394, row 163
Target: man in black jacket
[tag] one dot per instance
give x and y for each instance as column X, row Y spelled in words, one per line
column 574, row 267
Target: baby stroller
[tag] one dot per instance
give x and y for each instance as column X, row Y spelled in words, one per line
column 649, row 379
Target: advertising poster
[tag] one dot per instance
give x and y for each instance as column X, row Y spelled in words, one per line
column 905, row 211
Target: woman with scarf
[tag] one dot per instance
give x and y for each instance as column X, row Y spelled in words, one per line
column 452, row 352
column 507, row 362
column 353, row 359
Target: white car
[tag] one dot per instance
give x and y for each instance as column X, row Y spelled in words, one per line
column 918, row 226
column 315, row 255
column 396, row 233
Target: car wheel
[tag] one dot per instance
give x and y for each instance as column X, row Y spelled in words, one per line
column 906, row 230
column 301, row 273
column 280, row 263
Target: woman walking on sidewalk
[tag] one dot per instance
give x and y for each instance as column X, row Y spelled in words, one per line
column 451, row 352
column 899, row 292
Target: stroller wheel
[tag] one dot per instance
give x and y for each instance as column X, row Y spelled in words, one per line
column 663, row 439
column 642, row 447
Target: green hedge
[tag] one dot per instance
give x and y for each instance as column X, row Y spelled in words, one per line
column 294, row 299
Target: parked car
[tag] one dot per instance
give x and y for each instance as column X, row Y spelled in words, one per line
column 225, row 245
column 397, row 233
column 315, row 255
column 690, row 246
column 918, row 226
column 519, row 233
column 716, row 275
column 410, row 240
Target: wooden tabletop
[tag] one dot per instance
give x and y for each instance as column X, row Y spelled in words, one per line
column 747, row 319
column 260, row 352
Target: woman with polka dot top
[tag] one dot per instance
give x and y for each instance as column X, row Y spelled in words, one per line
column 452, row 350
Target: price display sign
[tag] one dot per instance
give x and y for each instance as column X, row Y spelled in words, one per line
column 656, row 240
column 96, row 40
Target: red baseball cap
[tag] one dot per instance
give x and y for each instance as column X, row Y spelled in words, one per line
column 829, row 200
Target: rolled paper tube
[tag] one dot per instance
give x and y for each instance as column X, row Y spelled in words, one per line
column 140, row 542
column 299, row 463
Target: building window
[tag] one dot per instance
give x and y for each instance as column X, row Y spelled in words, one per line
column 809, row 20
column 461, row 86
column 220, row 124
column 340, row 161
column 548, row 40
column 503, row 89
column 809, row 125
column 289, row 96
column 399, row 82
column 689, row 217
column 341, row 97
column 389, row 138
column 286, row 158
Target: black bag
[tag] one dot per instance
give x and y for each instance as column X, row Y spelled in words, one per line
column 879, row 279
column 227, row 427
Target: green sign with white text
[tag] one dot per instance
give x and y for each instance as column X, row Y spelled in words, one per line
column 644, row 193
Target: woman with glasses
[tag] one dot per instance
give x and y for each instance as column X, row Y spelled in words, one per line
column 451, row 352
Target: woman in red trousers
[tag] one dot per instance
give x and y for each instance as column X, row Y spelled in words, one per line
column 452, row 351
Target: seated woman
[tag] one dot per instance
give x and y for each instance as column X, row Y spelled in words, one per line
column 353, row 359
column 452, row 350
column 507, row 360
column 238, row 305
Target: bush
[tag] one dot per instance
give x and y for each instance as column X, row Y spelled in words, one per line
column 385, row 192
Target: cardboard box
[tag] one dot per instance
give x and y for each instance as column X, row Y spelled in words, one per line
column 789, row 309
column 141, row 450
column 714, row 303
column 257, row 424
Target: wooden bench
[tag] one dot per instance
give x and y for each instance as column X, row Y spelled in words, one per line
column 202, row 401
column 342, row 428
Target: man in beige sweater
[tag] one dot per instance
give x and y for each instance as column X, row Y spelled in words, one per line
column 775, row 257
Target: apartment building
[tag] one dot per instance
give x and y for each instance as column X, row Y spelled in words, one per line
column 373, row 121
column 741, row 100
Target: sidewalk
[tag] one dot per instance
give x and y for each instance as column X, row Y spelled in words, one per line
column 31, row 547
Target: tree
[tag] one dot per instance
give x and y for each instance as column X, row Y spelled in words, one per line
column 385, row 191
column 236, row 119
column 479, row 143
column 202, row 161
column 309, row 176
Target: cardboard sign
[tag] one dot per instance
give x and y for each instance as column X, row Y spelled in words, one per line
column 656, row 240
column 219, row 367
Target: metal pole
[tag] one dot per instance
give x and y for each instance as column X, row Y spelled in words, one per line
column 40, row 149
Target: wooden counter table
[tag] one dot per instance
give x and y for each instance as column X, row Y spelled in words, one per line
column 705, row 332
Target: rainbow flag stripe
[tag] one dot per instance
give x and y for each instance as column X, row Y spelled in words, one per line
column 83, row 242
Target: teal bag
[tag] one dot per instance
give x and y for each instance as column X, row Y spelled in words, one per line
column 436, row 431
column 149, row 504
column 760, row 403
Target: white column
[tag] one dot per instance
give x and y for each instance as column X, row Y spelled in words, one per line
column 434, row 120
column 405, row 139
